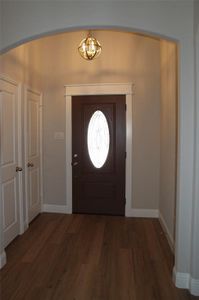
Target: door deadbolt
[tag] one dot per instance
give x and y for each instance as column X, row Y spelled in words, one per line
column 30, row 165
column 18, row 169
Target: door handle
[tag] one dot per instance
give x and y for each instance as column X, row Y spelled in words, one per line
column 29, row 164
column 19, row 169
column 74, row 163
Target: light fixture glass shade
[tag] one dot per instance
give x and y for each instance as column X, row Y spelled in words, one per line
column 98, row 139
column 89, row 48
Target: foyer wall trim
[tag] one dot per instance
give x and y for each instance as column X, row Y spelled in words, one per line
column 185, row 281
column 166, row 231
column 50, row 208
column 100, row 89
column 194, row 287
column 142, row 213
column 2, row 259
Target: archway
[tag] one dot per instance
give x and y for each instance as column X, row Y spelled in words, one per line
column 148, row 18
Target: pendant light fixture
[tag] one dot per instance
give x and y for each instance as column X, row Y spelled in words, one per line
column 89, row 48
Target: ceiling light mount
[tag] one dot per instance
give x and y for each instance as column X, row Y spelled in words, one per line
column 89, row 47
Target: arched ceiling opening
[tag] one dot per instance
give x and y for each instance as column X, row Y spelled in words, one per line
column 23, row 21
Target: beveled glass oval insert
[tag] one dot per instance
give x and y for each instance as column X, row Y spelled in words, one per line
column 98, row 139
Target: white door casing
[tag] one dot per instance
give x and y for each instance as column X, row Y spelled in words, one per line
column 11, row 158
column 33, row 153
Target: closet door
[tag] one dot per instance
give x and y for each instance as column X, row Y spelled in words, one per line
column 9, row 158
column 33, row 153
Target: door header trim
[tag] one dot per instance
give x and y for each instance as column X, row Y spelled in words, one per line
column 99, row 89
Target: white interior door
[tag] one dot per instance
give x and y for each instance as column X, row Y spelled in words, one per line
column 33, row 153
column 10, row 179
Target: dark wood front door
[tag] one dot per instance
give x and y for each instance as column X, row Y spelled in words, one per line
column 98, row 154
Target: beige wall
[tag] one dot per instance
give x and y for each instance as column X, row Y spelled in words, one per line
column 23, row 65
column 12, row 63
column 168, row 136
column 125, row 58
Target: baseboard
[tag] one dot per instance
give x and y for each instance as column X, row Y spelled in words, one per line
column 181, row 280
column 23, row 228
column 142, row 213
column 139, row 213
column 26, row 225
column 63, row 209
column 166, row 231
column 2, row 259
column 185, row 281
column 194, row 287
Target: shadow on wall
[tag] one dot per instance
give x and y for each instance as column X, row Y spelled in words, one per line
column 23, row 64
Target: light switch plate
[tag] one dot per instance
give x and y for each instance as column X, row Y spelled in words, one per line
column 59, row 135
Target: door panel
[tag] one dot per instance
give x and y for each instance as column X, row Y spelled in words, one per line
column 9, row 203
column 8, row 124
column 9, row 159
column 33, row 117
column 99, row 190
column 33, row 156
column 34, row 187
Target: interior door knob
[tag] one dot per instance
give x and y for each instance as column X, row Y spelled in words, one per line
column 18, row 169
column 29, row 164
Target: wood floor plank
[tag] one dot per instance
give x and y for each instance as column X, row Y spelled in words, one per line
column 85, row 257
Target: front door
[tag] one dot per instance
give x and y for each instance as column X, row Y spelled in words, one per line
column 33, row 153
column 9, row 106
column 98, row 154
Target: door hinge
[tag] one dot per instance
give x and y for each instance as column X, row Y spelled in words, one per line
column 125, row 154
column 125, row 201
column 125, row 107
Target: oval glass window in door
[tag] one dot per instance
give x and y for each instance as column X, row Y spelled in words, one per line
column 98, row 139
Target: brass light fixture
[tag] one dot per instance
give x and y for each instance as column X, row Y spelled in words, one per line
column 89, row 48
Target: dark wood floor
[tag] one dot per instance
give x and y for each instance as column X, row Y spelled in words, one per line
column 86, row 257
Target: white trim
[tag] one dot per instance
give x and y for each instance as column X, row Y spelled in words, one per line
column 26, row 90
column 20, row 162
column 51, row 208
column 194, row 287
column 41, row 148
column 69, row 152
column 185, row 281
column 25, row 156
column 181, row 280
column 129, row 151
column 99, row 89
column 18, row 86
column 166, row 231
column 195, row 209
column 142, row 213
column 26, row 225
column 8, row 79
column 2, row 259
